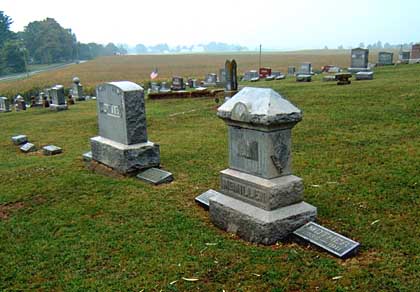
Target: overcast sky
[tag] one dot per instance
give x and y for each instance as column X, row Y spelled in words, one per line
column 276, row 24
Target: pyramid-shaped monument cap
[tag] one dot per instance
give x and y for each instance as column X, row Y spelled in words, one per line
column 259, row 107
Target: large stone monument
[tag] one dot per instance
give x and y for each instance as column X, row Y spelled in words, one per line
column 58, row 100
column 359, row 60
column 122, row 143
column 231, row 85
column 260, row 199
column 385, row 58
column 4, row 104
column 305, row 69
column 77, row 90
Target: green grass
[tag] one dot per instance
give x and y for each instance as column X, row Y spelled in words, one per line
column 64, row 228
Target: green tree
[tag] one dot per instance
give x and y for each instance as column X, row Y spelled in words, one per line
column 48, row 42
column 13, row 57
column 5, row 32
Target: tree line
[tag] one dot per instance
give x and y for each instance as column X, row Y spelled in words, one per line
column 44, row 42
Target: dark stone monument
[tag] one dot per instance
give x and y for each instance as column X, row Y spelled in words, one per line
column 210, row 80
column 404, row 57
column 415, row 53
column 359, row 60
column 343, row 78
column 231, row 85
column 177, row 83
column 122, row 143
column 260, row 200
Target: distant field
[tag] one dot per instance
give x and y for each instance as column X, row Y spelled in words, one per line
column 138, row 68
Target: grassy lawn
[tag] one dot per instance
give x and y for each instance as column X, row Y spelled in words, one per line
column 64, row 228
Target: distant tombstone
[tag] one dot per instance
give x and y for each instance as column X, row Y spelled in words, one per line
column 251, row 75
column 164, row 87
column 343, row 78
column 50, row 150
column 303, row 78
column 77, row 90
column 385, row 58
column 19, row 139
column 260, row 200
column 415, row 52
column 291, row 70
column 20, row 103
column 222, row 74
column 122, row 143
column 58, row 100
column 4, row 104
column 231, row 82
column 154, row 87
column 404, row 57
column 305, row 69
column 177, row 83
column 28, row 147
column 359, row 60
column 264, row 72
column 210, row 79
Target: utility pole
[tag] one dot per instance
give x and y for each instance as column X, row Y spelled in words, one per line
column 260, row 58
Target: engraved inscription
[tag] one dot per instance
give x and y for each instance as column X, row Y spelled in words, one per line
column 243, row 190
column 248, row 150
column 110, row 110
column 330, row 240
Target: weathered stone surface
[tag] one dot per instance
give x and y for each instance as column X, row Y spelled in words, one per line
column 121, row 112
column 259, row 106
column 255, row 224
column 204, row 198
column 266, row 154
column 268, row 194
column 385, row 58
column 19, row 139
column 4, row 104
column 364, row 75
column 359, row 58
column 125, row 158
column 57, row 95
column 51, row 150
column 28, row 147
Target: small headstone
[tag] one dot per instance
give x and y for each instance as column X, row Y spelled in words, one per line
column 385, row 58
column 251, row 75
column 328, row 78
column 58, row 100
column 155, row 176
column 327, row 239
column 19, row 139
column 87, row 156
column 28, row 147
column 154, row 87
column 20, row 103
column 51, row 150
column 359, row 60
column 177, row 83
column 291, row 70
column 164, row 87
column 210, row 79
column 364, row 75
column 77, row 90
column 222, row 75
column 4, row 104
column 343, row 78
column 303, row 78
column 204, row 198
column 404, row 57
column 305, row 69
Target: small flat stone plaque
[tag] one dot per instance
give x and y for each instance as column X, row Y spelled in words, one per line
column 204, row 198
column 51, row 150
column 87, row 156
column 329, row 240
column 28, row 147
column 19, row 139
column 155, row 176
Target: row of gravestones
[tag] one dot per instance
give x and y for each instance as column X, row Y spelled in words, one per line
column 53, row 97
column 26, row 147
column 259, row 199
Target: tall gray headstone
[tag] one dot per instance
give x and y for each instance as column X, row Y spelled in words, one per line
column 58, row 100
column 122, row 143
column 260, row 199
column 4, row 104
column 359, row 60
column 77, row 90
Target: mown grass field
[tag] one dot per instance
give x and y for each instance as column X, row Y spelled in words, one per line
column 138, row 68
column 64, row 228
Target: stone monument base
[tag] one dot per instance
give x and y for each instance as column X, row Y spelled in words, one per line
column 355, row 70
column 255, row 224
column 125, row 158
column 58, row 107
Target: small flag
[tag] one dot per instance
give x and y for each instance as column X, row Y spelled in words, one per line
column 154, row 74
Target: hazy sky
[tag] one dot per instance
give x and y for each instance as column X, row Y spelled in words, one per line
column 297, row 24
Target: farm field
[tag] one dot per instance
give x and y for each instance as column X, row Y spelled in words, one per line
column 64, row 228
column 138, row 68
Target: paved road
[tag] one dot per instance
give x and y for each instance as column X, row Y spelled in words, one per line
column 47, row 68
